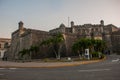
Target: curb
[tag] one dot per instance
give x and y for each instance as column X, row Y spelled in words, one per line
column 57, row 66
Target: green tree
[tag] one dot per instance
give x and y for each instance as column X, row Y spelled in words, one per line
column 56, row 42
column 24, row 53
column 77, row 48
column 99, row 45
column 33, row 50
column 27, row 53
column 93, row 45
column 80, row 45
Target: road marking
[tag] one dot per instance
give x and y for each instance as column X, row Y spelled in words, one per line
column 116, row 60
column 1, row 74
column 2, row 68
column 8, row 68
column 93, row 70
column 12, row 68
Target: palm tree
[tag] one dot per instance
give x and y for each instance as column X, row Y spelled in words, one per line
column 33, row 50
column 56, row 42
column 24, row 52
column 28, row 52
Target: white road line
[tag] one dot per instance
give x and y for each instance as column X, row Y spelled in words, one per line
column 1, row 74
column 2, row 68
column 8, row 68
column 93, row 70
column 12, row 68
column 116, row 60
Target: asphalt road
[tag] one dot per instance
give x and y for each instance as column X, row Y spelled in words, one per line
column 106, row 70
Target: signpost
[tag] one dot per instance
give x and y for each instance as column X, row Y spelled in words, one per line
column 87, row 53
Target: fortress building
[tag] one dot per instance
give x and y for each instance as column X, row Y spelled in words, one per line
column 116, row 41
column 24, row 38
column 96, row 31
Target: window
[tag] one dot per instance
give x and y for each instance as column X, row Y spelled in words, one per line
column 92, row 30
column 83, row 31
column 88, row 31
column 96, row 29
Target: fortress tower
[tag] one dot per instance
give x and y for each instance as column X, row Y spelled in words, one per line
column 20, row 27
column 72, row 26
column 20, row 24
column 102, row 22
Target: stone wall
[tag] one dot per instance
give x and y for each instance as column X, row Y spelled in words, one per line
column 25, row 38
column 29, row 38
column 36, row 38
column 116, row 42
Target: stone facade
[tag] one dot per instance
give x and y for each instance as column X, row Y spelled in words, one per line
column 4, row 45
column 116, row 41
column 24, row 38
column 96, row 31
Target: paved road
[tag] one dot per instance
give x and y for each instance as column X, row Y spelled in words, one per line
column 106, row 70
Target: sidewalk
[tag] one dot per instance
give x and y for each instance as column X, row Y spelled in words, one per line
column 8, row 64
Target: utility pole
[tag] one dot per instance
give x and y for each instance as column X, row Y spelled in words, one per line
column 68, row 21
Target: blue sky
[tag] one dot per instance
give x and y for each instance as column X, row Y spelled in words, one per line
column 49, row 14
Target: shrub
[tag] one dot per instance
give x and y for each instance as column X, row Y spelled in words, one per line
column 95, row 54
column 102, row 56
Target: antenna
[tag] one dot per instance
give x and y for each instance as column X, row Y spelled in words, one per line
column 68, row 21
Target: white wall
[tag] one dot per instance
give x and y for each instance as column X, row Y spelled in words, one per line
column 2, row 53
